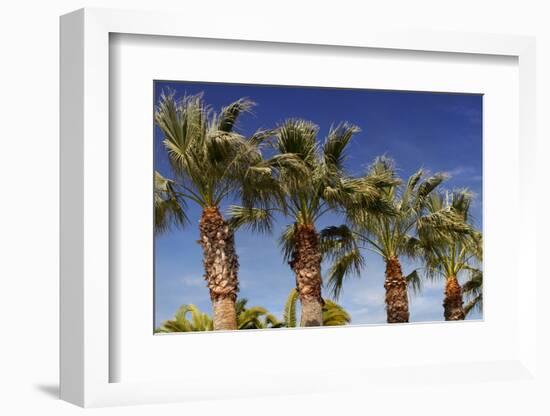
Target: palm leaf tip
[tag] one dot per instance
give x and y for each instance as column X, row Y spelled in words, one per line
column 336, row 143
column 229, row 114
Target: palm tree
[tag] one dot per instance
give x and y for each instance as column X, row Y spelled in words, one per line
column 472, row 290
column 333, row 314
column 211, row 162
column 390, row 236
column 199, row 321
column 247, row 318
column 447, row 254
column 251, row 318
column 311, row 180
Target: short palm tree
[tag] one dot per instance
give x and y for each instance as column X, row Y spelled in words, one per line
column 210, row 162
column 449, row 254
column 311, row 180
column 390, row 236
column 181, row 323
column 255, row 317
column 333, row 314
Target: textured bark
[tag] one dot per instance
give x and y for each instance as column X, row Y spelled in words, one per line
column 221, row 266
column 225, row 315
column 453, row 303
column 397, row 300
column 306, row 263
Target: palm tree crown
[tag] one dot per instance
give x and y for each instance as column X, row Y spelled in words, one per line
column 209, row 158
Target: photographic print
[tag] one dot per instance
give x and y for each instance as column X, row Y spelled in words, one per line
column 288, row 206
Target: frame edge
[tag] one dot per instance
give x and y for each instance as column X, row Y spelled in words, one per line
column 71, row 217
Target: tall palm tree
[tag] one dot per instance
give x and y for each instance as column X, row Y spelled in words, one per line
column 211, row 162
column 311, row 181
column 390, row 236
column 333, row 314
column 448, row 255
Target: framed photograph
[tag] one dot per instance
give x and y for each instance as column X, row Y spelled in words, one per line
column 238, row 210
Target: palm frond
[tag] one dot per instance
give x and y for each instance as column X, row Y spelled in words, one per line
column 168, row 206
column 347, row 265
column 229, row 115
column 334, row 314
column 298, row 137
column 255, row 219
column 414, row 282
column 287, row 241
column 334, row 148
column 199, row 321
column 341, row 247
column 289, row 314
column 475, row 303
column 428, row 186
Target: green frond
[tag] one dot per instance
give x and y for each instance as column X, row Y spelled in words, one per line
column 444, row 222
column 341, row 247
column 229, row 115
column 346, row 265
column 335, row 240
column 382, row 165
column 414, row 282
column 334, row 314
column 287, row 241
column 255, row 219
column 168, row 206
column 428, row 186
column 240, row 305
column 334, row 148
column 411, row 246
column 289, row 314
column 298, row 137
column 474, row 285
column 199, row 321
column 472, row 291
column 475, row 304
column 255, row 317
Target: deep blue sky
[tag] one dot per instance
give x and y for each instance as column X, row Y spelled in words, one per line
column 436, row 131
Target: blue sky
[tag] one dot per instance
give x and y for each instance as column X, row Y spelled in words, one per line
column 436, row 131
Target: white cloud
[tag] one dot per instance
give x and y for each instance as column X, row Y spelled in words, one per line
column 368, row 296
column 193, row 281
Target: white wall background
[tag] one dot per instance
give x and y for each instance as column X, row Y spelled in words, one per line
column 29, row 56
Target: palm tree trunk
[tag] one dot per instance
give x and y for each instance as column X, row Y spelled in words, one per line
column 453, row 303
column 397, row 300
column 221, row 266
column 306, row 263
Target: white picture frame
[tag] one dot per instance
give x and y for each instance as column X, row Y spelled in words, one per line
column 85, row 220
